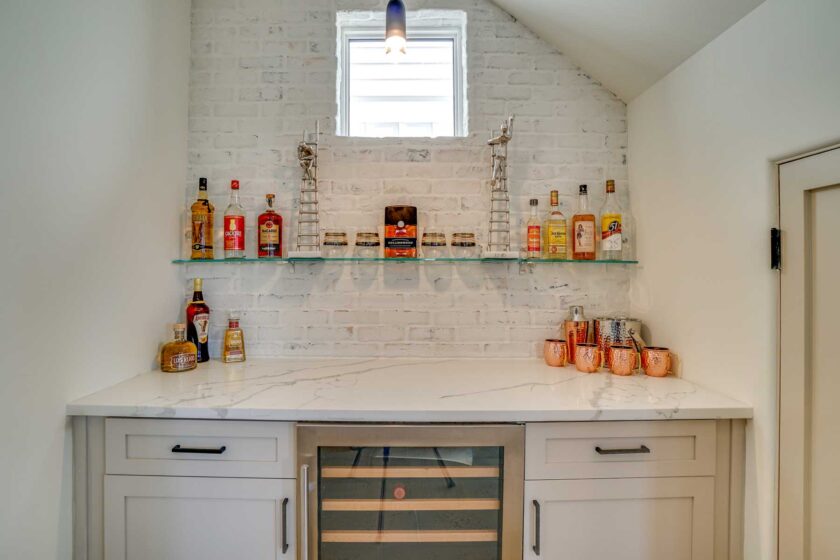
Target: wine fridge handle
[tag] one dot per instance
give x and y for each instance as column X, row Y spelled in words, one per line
column 536, row 546
column 304, row 512
column 284, row 540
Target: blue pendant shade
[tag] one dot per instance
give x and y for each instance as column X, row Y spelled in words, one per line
column 395, row 38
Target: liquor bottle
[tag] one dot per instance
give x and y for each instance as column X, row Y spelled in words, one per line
column 611, row 225
column 270, row 231
column 233, row 349
column 533, row 235
column 554, row 231
column 202, row 224
column 179, row 354
column 583, row 229
column 234, row 225
column 198, row 322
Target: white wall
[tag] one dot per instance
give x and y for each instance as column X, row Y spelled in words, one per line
column 702, row 143
column 93, row 123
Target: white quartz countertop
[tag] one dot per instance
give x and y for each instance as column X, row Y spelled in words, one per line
column 405, row 390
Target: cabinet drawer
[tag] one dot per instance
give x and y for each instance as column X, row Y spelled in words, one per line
column 225, row 448
column 619, row 449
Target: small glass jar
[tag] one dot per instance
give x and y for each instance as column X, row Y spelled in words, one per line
column 367, row 244
column 433, row 245
column 464, row 245
column 335, row 244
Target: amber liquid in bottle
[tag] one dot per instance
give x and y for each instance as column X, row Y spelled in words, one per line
column 202, row 224
column 233, row 349
column 198, row 322
column 269, row 231
column 583, row 229
column 180, row 354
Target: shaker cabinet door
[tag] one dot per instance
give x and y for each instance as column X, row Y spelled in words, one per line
column 180, row 518
column 620, row 519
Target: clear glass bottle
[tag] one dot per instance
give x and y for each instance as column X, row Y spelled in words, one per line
column 202, row 224
column 583, row 229
column 555, row 245
column 234, row 344
column 610, row 238
column 234, row 225
column 533, row 232
column 179, row 354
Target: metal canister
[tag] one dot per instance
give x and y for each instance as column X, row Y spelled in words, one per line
column 614, row 330
column 576, row 331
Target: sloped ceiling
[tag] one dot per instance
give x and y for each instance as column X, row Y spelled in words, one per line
column 628, row 45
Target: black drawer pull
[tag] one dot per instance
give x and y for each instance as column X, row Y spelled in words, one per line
column 536, row 546
column 285, row 537
column 200, row 450
column 635, row 451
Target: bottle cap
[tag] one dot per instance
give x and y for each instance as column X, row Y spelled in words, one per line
column 535, row 202
column 234, row 185
column 202, row 184
column 269, row 197
column 233, row 316
column 583, row 189
column 196, row 284
column 179, row 327
column 610, row 186
column 555, row 198
column 576, row 313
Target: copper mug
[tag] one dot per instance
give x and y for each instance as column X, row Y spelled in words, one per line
column 656, row 361
column 554, row 352
column 624, row 360
column 588, row 358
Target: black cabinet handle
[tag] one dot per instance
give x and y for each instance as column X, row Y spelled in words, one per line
column 536, row 546
column 634, row 451
column 285, row 539
column 200, row 450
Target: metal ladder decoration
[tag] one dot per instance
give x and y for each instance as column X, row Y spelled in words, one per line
column 308, row 243
column 498, row 245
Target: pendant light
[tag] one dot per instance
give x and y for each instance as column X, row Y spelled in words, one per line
column 395, row 27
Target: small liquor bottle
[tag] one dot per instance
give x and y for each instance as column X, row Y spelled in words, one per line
column 198, row 322
column 611, row 230
column 532, row 232
column 202, row 224
column 270, row 232
column 234, row 345
column 583, row 229
column 234, row 225
column 178, row 355
column 555, row 245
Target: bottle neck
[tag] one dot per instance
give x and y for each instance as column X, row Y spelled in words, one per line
column 533, row 211
column 202, row 194
column 198, row 296
column 180, row 335
column 583, row 202
column 234, row 197
column 269, row 205
column 233, row 324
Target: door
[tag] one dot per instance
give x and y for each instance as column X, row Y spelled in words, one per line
column 182, row 518
column 620, row 519
column 809, row 376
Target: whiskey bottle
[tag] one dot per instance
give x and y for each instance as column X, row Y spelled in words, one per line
column 532, row 232
column 198, row 322
column 179, row 354
column 611, row 222
column 270, row 231
column 202, row 224
column 234, row 225
column 554, row 230
column 233, row 349
column 583, row 229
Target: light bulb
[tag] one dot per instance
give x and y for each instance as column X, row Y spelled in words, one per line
column 395, row 45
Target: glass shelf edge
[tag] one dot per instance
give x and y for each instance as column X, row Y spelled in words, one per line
column 408, row 260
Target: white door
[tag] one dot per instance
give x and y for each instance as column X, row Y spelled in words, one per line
column 180, row 518
column 620, row 519
column 809, row 387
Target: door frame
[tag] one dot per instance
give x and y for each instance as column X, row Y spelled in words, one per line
column 797, row 178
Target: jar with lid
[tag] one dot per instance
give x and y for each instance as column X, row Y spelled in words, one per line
column 335, row 244
column 434, row 245
column 367, row 244
column 464, row 245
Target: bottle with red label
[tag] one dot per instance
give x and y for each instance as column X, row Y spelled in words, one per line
column 533, row 234
column 270, row 231
column 234, row 225
column 198, row 322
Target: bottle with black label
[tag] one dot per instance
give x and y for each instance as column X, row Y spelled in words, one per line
column 198, row 322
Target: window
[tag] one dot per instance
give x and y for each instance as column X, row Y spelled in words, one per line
column 419, row 94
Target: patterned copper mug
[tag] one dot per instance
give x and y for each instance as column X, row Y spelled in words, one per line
column 624, row 360
column 656, row 361
column 554, row 352
column 588, row 358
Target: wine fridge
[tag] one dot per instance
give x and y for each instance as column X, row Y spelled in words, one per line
column 410, row 492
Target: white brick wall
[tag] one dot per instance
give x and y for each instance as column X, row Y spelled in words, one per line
column 263, row 70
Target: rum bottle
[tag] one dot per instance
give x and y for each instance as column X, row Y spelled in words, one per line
column 202, row 224
column 611, row 230
column 270, row 231
column 233, row 349
column 198, row 322
column 583, row 229
column 554, row 231
column 180, row 354
column 234, row 225
column 532, row 232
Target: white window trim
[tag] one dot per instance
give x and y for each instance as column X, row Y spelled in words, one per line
column 422, row 24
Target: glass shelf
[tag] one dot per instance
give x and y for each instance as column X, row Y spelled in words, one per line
column 387, row 260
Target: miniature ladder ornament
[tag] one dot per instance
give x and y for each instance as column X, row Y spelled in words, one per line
column 308, row 242
column 498, row 246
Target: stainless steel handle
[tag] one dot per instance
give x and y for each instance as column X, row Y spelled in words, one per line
column 304, row 512
column 634, row 451
column 284, row 530
column 536, row 546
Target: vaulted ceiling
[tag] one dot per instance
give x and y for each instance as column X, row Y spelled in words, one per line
column 628, row 45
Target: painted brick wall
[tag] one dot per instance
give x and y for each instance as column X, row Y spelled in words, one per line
column 265, row 70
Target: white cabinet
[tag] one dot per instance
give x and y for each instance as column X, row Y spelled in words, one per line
column 184, row 518
column 620, row 519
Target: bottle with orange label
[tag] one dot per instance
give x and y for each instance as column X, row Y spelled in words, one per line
column 611, row 222
column 534, row 232
column 270, row 231
column 234, row 225
column 583, row 229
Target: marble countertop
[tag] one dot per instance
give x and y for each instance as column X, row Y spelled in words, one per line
column 405, row 390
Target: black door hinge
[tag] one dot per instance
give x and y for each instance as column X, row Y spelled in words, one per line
column 776, row 249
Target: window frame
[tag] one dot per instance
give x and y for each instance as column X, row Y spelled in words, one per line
column 372, row 30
